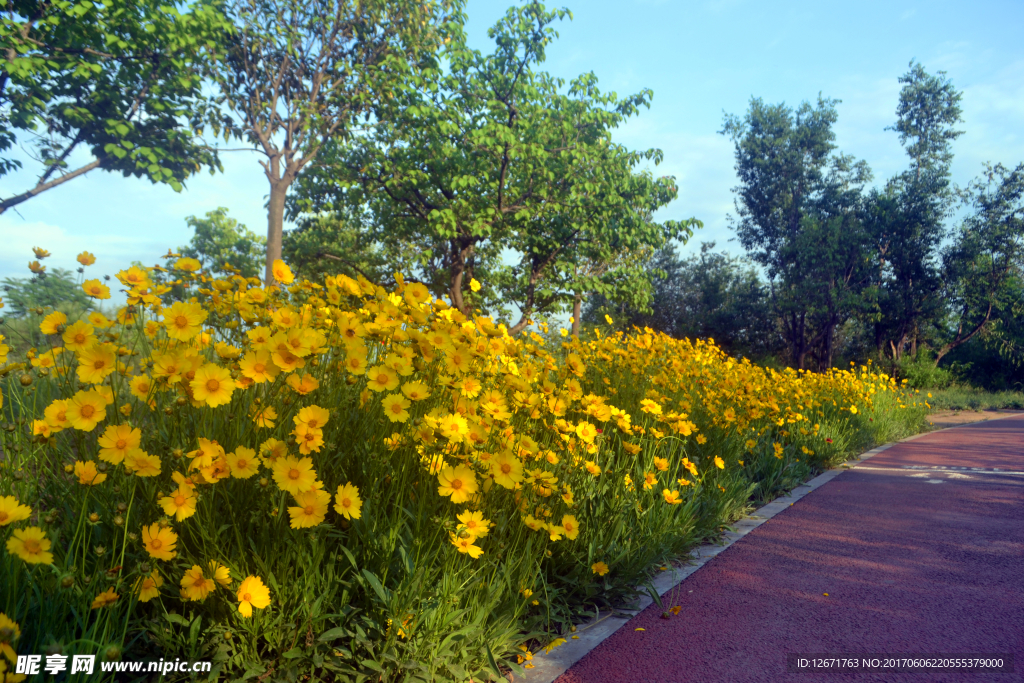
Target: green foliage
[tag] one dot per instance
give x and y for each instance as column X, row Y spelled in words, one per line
column 299, row 74
column 334, row 244
column 798, row 211
column 710, row 295
column 491, row 161
column 962, row 397
column 220, row 239
column 120, row 79
column 984, row 265
column 922, row 372
column 25, row 299
column 905, row 218
column 54, row 289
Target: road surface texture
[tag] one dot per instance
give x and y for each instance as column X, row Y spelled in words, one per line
column 920, row 550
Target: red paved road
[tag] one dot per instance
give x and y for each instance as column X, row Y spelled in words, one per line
column 911, row 565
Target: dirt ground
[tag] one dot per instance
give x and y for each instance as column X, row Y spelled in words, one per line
column 941, row 419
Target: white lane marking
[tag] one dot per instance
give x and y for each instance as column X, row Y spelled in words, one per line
column 938, row 470
column 935, row 481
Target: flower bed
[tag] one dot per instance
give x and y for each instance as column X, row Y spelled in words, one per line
column 336, row 481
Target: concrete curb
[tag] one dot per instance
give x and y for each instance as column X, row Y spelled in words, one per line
column 548, row 667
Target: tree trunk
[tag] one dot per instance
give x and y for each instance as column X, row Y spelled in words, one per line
column 275, row 224
column 577, row 307
column 460, row 254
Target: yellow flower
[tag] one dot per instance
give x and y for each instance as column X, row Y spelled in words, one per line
column 78, row 336
column 12, row 511
column 259, row 367
column 96, row 363
column 599, row 568
column 9, row 632
column 347, row 502
column 272, row 450
column 148, row 587
column 56, row 415
column 474, row 523
column 474, row 285
column 381, row 378
column 853, row 410
column 159, row 542
column 206, row 454
column 458, row 482
column 586, row 431
column 36, row 268
column 183, row 320
column 418, row 293
column 294, row 475
column 181, row 503
column 313, row 416
column 671, row 497
column 141, row 386
column 310, row 439
column 395, row 407
column 86, row 259
column 661, row 464
column 189, row 265
column 142, row 464
column 96, row 289
column 454, row 427
column 570, row 527
column 415, row 391
column 719, row 463
column 264, row 416
column 507, row 470
column 281, row 272
column 31, row 545
column 220, row 573
column 466, row 546
column 212, row 384
column 133, row 277
column 195, row 586
column 252, row 593
column 117, row 441
column 311, row 509
column 87, row 473
column 53, row 323
column 105, row 599
column 303, row 385
column 593, row 468
column 692, row 468
column 243, row 462
column 608, row 319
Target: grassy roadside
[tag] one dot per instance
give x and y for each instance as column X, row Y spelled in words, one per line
column 970, row 398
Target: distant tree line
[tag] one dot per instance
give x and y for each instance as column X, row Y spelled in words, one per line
column 834, row 269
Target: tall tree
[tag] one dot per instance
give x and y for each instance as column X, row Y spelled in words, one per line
column 120, row 80
column 301, row 72
column 798, row 210
column 494, row 161
column 984, row 264
column 906, row 217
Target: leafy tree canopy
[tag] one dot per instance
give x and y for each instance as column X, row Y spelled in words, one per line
column 120, row 79
column 504, row 174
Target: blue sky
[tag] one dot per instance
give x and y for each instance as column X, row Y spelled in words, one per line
column 700, row 58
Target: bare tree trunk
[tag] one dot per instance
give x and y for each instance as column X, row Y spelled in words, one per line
column 275, row 224
column 577, row 308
